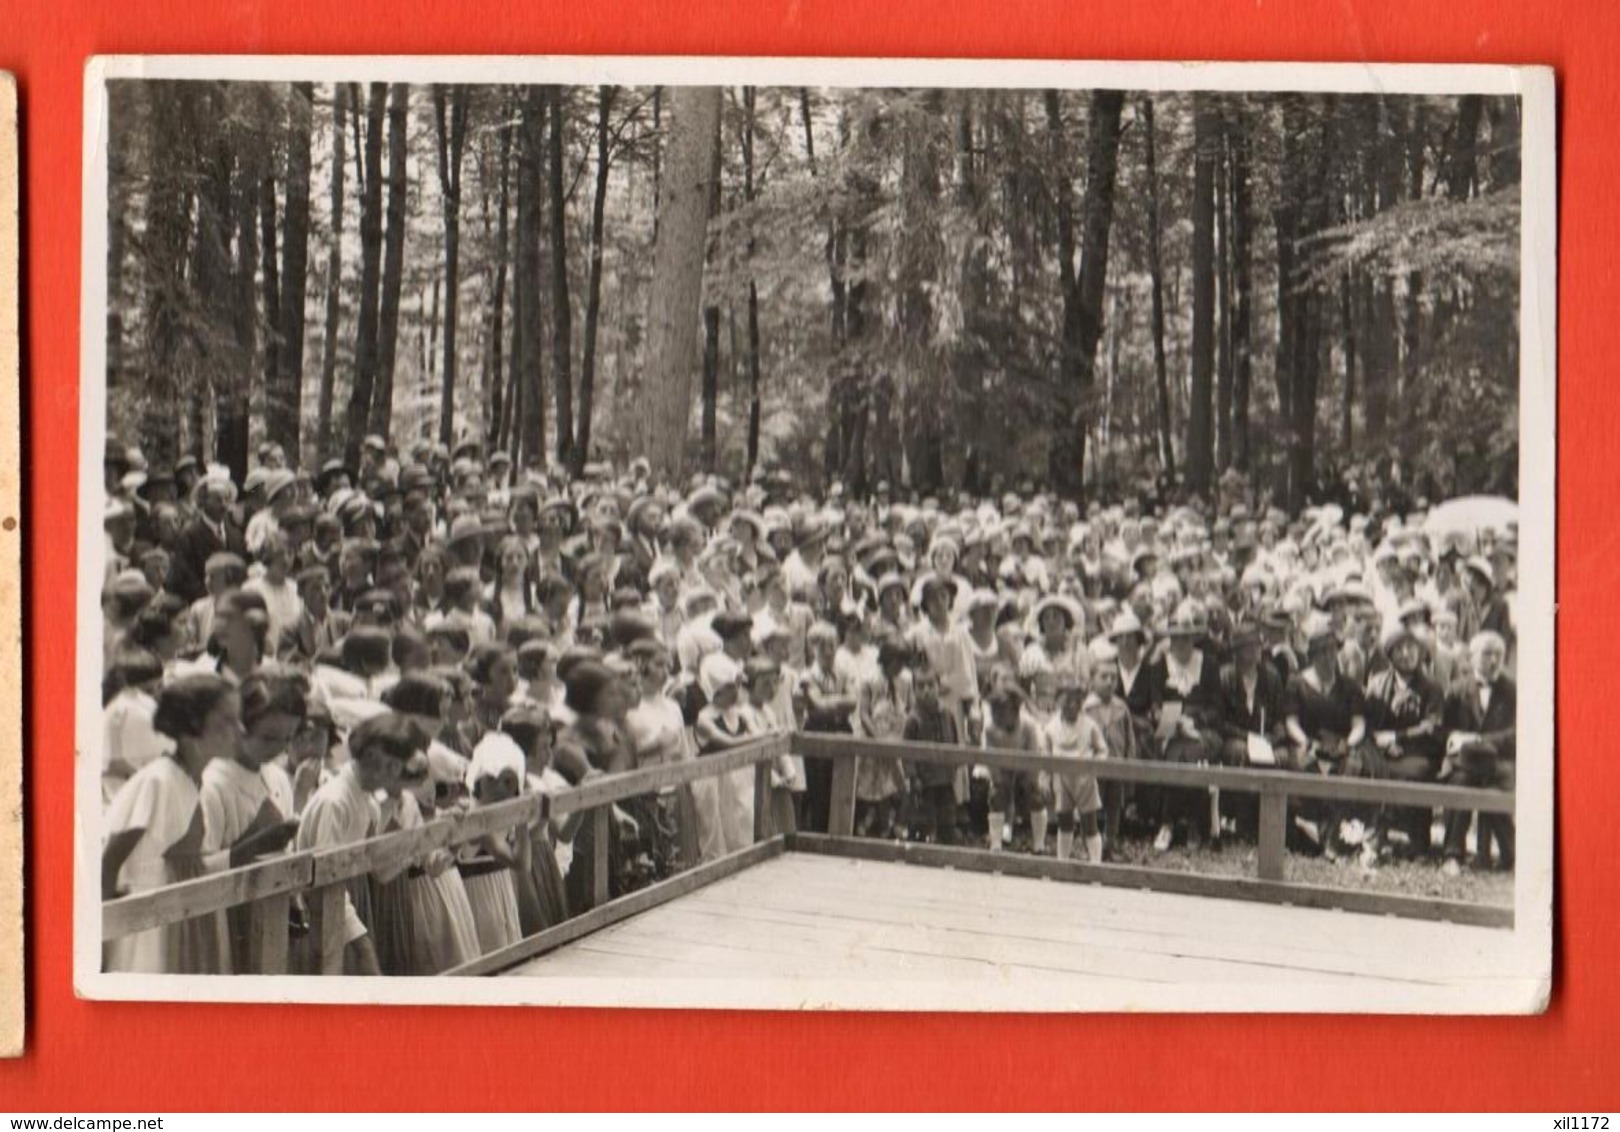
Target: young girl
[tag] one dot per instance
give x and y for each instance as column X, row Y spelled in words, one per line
column 725, row 815
column 247, row 794
column 542, row 893
column 771, row 706
column 131, row 739
column 384, row 751
column 930, row 722
column 1113, row 716
column 883, row 702
column 1008, row 730
column 1071, row 735
column 422, row 920
column 153, row 833
column 496, row 774
column 511, row 594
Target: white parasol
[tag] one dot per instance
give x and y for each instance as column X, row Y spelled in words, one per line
column 1471, row 513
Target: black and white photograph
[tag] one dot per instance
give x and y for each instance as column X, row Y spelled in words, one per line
column 810, row 533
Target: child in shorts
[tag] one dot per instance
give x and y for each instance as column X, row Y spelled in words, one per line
column 1072, row 736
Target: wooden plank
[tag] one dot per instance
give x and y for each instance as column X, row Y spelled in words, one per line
column 267, row 935
column 843, row 748
column 841, row 807
column 326, row 911
column 624, row 907
column 392, row 851
column 1273, row 836
column 764, row 815
column 601, row 820
column 1159, row 880
column 617, row 787
column 206, row 894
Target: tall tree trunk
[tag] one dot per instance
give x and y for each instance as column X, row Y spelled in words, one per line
column 1223, row 293
column 1464, row 152
column 753, row 289
column 167, row 242
column 711, row 328
column 677, row 278
column 1200, row 431
column 234, row 394
column 494, row 388
column 1242, row 284
column 286, row 395
column 562, row 311
column 450, row 118
column 382, row 405
column 593, row 286
column 371, row 239
column 270, row 277
column 334, row 282
column 1156, row 275
column 1347, row 327
column 1083, row 289
column 529, row 396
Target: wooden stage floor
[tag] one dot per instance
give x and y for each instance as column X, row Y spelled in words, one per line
column 815, row 931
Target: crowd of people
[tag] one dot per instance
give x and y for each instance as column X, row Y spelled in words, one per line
column 308, row 659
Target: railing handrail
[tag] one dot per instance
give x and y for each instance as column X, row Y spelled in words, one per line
column 310, row 869
column 1285, row 782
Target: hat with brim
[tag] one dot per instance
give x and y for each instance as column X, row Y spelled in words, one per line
column 1397, row 634
column 564, row 509
column 1480, row 568
column 329, row 471
column 466, row 528
column 1069, row 607
column 982, row 599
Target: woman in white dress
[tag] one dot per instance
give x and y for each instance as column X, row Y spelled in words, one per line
column 153, row 832
column 131, row 740
column 247, row 794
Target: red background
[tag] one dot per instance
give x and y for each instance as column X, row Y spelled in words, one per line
column 88, row 1056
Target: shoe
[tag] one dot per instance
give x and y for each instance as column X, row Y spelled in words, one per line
column 1161, row 843
column 1369, row 859
column 1452, row 867
column 1330, row 852
column 1215, row 844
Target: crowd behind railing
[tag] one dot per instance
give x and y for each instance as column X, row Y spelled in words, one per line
column 300, row 662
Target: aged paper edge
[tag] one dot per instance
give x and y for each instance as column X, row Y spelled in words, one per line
column 1524, row 986
column 12, row 974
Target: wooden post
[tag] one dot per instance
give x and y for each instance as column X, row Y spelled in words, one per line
column 326, row 909
column 1273, row 830
column 602, row 819
column 764, row 817
column 841, row 820
column 267, row 935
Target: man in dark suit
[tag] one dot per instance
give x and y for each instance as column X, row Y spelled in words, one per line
column 1480, row 720
column 211, row 531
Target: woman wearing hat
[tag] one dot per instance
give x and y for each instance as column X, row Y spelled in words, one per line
column 1185, row 681
column 1058, row 641
column 1404, row 707
column 1327, row 722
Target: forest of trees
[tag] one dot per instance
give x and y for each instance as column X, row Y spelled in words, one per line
column 936, row 287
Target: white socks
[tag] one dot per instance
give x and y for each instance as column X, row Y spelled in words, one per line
column 1065, row 845
column 996, row 821
column 1037, row 829
column 1094, row 847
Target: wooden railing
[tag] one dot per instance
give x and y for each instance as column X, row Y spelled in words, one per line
column 322, row 876
column 1274, row 788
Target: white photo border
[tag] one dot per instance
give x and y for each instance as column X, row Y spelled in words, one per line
column 1525, row 988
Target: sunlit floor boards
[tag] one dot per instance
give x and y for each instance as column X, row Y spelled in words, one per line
column 875, row 933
